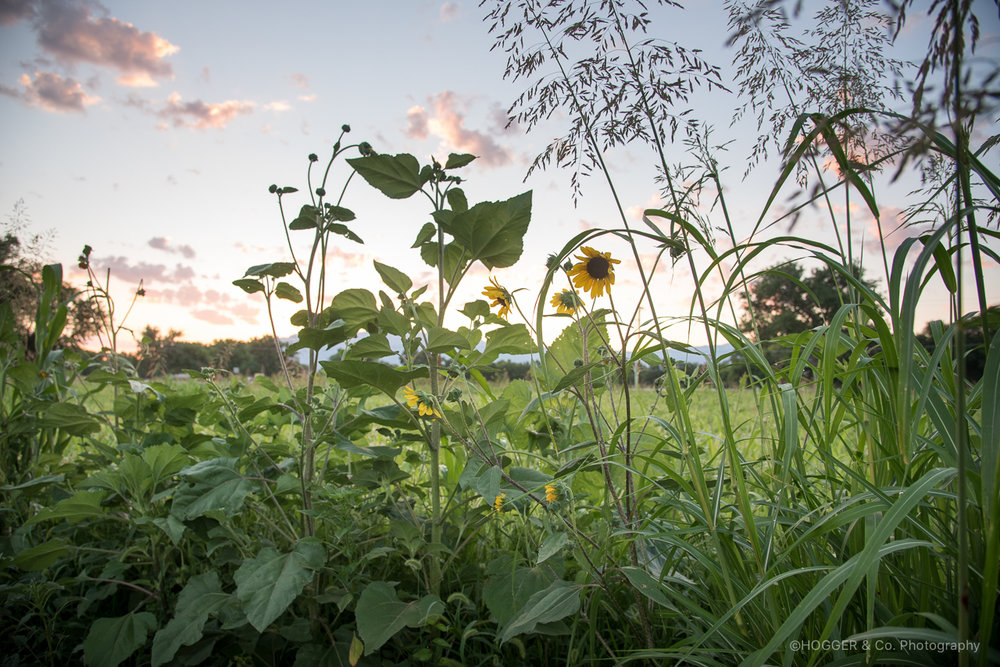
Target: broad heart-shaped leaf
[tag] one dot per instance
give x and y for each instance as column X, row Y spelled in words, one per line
column 269, row 582
column 339, row 213
column 40, row 556
column 202, row 596
column 249, row 285
column 215, row 484
column 308, row 218
column 492, row 232
column 289, row 292
column 83, row 504
column 551, row 546
column 112, row 640
column 273, row 269
column 511, row 339
column 70, row 417
column 508, row 586
column 380, row 614
column 356, row 307
column 375, row 346
column 456, row 160
column 443, row 340
column 371, row 373
column 425, row 234
column 556, row 602
column 395, row 176
column 394, row 278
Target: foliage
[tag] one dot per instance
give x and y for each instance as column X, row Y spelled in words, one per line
column 387, row 507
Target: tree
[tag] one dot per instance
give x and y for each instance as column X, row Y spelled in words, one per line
column 783, row 301
column 21, row 264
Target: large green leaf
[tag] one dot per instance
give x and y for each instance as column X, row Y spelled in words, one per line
column 512, row 339
column 273, row 269
column 556, row 602
column 375, row 346
column 395, row 176
column 201, row 597
column 394, row 278
column 112, row 640
column 508, row 586
column 70, row 417
column 356, row 307
column 40, row 556
column 81, row 505
column 380, row 614
column 215, row 484
column 371, row 373
column 269, row 582
column 492, row 232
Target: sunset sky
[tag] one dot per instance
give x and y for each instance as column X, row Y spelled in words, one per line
column 152, row 130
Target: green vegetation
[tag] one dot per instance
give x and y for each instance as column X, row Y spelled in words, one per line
column 361, row 511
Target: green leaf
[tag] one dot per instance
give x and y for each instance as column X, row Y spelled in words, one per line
column 112, row 640
column 289, row 292
column 492, row 232
column 477, row 308
column 375, row 346
column 509, row 587
column 551, row 546
column 343, row 230
column 394, row 278
column 457, row 200
column 380, row 614
column 215, row 484
column 339, row 213
column 556, row 602
column 249, row 285
column 443, row 340
column 371, row 373
column 164, row 461
column 356, row 307
column 81, row 505
column 647, row 585
column 425, row 234
column 575, row 376
column 70, row 417
column 308, row 218
column 395, row 176
column 273, row 269
column 513, row 339
column 456, row 160
column 40, row 556
column 269, row 582
column 201, row 597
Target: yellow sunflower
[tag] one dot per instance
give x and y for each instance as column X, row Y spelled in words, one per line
column 501, row 297
column 498, row 503
column 595, row 272
column 566, row 302
column 420, row 403
column 550, row 493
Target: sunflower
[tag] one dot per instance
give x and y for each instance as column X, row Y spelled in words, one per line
column 501, row 297
column 550, row 493
column 498, row 503
column 420, row 403
column 566, row 302
column 595, row 272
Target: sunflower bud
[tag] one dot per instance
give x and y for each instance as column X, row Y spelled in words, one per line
column 313, row 157
column 320, row 192
column 273, row 188
column 365, row 149
column 345, row 127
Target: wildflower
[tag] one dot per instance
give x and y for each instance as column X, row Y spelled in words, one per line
column 498, row 503
column 550, row 493
column 501, row 297
column 566, row 302
column 595, row 272
column 420, row 403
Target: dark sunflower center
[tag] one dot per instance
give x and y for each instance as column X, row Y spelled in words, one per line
column 598, row 268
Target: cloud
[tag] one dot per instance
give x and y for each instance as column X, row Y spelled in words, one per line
column 67, row 30
column 449, row 11
column 163, row 243
column 50, row 92
column 197, row 114
column 12, row 11
column 448, row 124
column 308, row 98
column 211, row 316
column 301, row 80
column 124, row 271
column 278, row 106
column 416, row 123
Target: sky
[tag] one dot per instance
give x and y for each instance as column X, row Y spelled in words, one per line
column 152, row 130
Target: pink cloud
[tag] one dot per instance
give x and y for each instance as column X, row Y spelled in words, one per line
column 449, row 12
column 51, row 92
column 416, row 123
column 124, row 271
column 449, row 125
column 212, row 316
column 197, row 114
column 12, row 11
column 67, row 30
column 163, row 243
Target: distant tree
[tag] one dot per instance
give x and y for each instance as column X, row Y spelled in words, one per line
column 783, row 301
column 21, row 261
